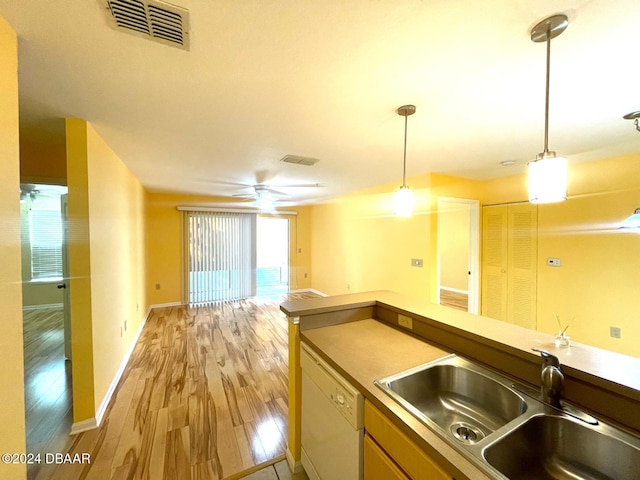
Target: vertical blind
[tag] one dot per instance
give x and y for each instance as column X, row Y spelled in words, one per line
column 221, row 256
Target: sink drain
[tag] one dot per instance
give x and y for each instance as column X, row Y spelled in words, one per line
column 466, row 433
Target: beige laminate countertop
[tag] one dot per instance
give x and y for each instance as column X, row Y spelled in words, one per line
column 366, row 350
column 616, row 372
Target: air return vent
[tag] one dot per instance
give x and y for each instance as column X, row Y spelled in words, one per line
column 298, row 160
column 158, row 21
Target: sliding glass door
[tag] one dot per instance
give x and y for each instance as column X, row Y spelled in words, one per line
column 221, row 256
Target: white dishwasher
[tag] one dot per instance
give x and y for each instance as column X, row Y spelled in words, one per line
column 332, row 421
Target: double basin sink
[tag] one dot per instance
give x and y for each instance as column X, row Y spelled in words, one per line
column 505, row 430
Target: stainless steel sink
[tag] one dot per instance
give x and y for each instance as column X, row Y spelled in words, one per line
column 558, row 447
column 504, row 429
column 466, row 401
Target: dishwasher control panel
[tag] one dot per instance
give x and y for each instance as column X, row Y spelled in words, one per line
column 344, row 396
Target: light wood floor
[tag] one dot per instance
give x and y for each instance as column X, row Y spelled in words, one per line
column 204, row 396
column 455, row 300
column 47, row 381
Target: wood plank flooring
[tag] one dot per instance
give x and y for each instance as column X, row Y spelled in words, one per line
column 459, row 301
column 204, row 396
column 47, row 381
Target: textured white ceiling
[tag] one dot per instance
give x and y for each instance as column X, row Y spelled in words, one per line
column 266, row 78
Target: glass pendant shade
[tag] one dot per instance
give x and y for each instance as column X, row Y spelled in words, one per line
column 403, row 202
column 547, row 178
column 632, row 221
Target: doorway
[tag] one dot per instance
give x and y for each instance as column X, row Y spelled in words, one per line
column 458, row 253
column 272, row 272
column 46, row 333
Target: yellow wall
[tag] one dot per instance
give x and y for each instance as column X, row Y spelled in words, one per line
column 358, row 245
column 598, row 279
column 43, row 162
column 12, row 371
column 598, row 282
column 454, row 249
column 106, row 260
column 163, row 243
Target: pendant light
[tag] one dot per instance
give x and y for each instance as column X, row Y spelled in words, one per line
column 547, row 174
column 403, row 198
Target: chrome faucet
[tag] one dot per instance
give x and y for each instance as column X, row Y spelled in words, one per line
column 551, row 377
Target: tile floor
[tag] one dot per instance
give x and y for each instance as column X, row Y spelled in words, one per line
column 277, row 471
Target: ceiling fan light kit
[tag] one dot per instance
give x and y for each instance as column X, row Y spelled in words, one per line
column 403, row 198
column 547, row 174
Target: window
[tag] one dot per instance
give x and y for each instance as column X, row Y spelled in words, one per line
column 42, row 231
column 221, row 256
column 45, row 235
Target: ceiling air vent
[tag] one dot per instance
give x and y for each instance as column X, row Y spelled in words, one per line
column 154, row 20
column 298, row 160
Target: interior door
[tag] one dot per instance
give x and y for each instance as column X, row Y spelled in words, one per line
column 509, row 263
column 65, row 284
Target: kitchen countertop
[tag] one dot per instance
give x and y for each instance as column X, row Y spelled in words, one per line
column 613, row 371
column 366, row 350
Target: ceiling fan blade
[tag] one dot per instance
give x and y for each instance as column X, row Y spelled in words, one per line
column 276, row 192
column 300, row 185
column 225, row 183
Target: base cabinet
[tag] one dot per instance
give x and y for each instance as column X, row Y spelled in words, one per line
column 378, row 465
column 390, row 454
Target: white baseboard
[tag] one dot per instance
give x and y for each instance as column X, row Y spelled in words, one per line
column 90, row 423
column 83, row 426
column 455, row 290
column 43, row 306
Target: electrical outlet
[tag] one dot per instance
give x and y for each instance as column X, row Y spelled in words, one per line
column 157, row 286
column 121, row 332
column 406, row 322
column 125, row 325
column 615, row 332
column 416, row 262
column 305, row 275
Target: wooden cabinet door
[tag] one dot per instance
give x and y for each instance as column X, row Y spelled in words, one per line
column 377, row 465
column 411, row 460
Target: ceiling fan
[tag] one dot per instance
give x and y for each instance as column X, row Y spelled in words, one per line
column 265, row 196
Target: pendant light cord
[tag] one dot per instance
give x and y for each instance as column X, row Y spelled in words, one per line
column 546, row 103
column 404, row 161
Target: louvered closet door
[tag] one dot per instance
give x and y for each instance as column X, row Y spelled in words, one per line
column 494, row 262
column 521, row 273
column 509, row 263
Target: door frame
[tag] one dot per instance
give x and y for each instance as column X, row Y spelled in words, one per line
column 473, row 281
